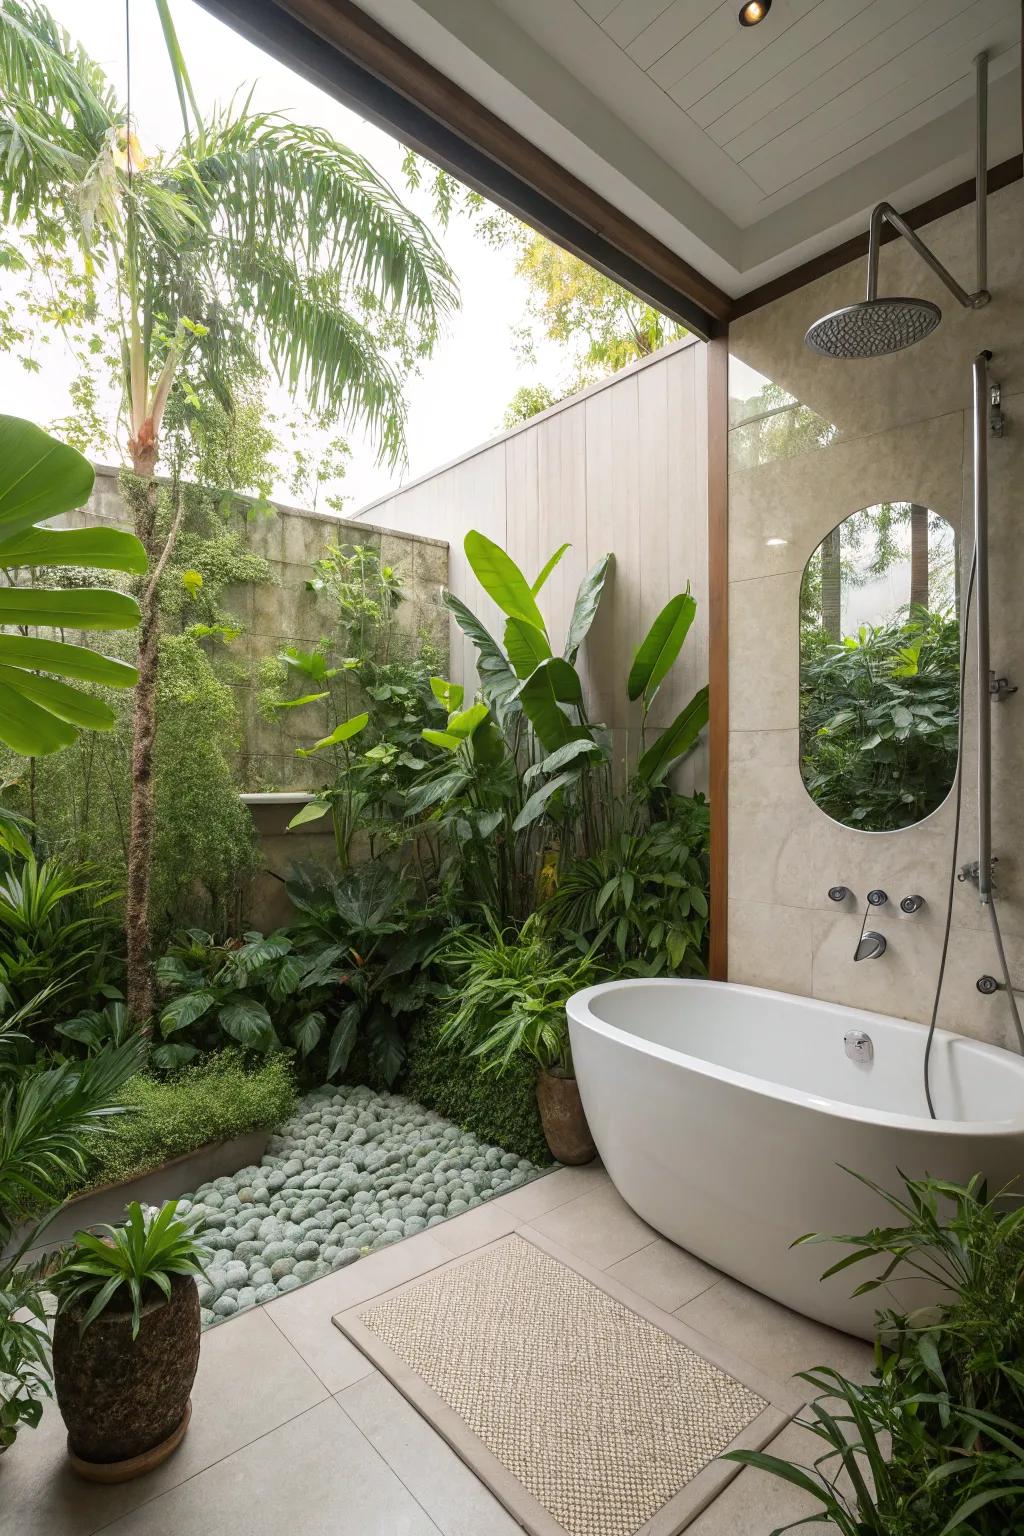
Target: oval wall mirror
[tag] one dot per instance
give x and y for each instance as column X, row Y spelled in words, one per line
column 880, row 667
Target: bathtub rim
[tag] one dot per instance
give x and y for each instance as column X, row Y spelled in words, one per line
column 578, row 1011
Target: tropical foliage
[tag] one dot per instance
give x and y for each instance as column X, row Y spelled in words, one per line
column 507, row 995
column 934, row 1445
column 142, row 1256
column 42, row 705
column 879, row 716
column 258, row 237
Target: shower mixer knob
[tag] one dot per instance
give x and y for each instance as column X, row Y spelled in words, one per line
column 987, row 985
column 838, row 893
column 877, row 898
column 911, row 904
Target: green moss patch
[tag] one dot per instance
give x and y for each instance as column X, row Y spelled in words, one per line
column 501, row 1110
column 169, row 1116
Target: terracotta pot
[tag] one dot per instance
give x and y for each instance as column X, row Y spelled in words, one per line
column 122, row 1398
column 561, row 1115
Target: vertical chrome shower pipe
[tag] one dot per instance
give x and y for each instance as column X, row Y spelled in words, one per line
column 981, row 171
column 980, row 371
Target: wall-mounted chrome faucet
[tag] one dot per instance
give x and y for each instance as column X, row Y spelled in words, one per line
column 870, row 946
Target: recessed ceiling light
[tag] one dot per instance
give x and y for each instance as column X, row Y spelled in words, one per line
column 772, row 542
column 753, row 12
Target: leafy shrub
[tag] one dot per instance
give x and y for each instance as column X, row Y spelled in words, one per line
column 257, row 990
column 364, row 924
column 641, row 901
column 940, row 1429
column 169, row 1116
column 508, row 993
column 54, row 935
column 501, row 1110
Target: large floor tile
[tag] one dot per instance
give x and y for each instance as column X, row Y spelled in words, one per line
column 550, row 1189
column 772, row 1337
column 452, row 1495
column 664, row 1274
column 250, row 1381
column 754, row 1503
column 598, row 1226
column 474, row 1229
column 304, row 1316
column 317, row 1475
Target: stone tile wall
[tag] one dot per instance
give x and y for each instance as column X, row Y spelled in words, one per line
column 900, row 430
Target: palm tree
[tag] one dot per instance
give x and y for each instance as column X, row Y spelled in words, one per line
column 256, row 241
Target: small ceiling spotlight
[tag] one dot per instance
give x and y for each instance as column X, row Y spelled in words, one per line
column 753, row 12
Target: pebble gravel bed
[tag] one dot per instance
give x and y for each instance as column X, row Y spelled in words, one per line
column 351, row 1172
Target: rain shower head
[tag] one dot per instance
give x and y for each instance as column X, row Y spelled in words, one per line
column 873, row 328
column 876, row 327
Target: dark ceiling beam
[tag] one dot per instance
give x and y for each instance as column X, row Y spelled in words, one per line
column 346, row 53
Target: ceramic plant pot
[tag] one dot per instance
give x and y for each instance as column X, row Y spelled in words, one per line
column 563, row 1120
column 125, row 1401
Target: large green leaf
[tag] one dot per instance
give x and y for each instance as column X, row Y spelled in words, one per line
column 39, row 476
column 676, row 739
column 502, row 579
column 66, row 660
column 588, row 598
column 248, row 1022
column 68, row 608
column 527, row 646
column 341, row 733
column 542, row 695
column 67, row 703
column 548, row 568
column 660, row 647
column 446, row 693
column 29, row 728
column 498, row 682
column 538, row 801
column 104, row 549
column 311, row 812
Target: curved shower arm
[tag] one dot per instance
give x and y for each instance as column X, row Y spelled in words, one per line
column 885, row 213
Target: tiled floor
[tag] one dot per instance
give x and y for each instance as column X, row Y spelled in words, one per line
column 293, row 1430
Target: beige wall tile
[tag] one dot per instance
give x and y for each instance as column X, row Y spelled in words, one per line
column 770, row 946
column 902, row 429
column 763, row 652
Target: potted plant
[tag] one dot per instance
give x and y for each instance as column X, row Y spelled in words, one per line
column 126, row 1342
column 511, row 989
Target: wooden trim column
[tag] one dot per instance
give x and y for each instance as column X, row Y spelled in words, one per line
column 718, row 649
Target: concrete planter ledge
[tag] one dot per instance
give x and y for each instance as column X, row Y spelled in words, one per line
column 217, row 1159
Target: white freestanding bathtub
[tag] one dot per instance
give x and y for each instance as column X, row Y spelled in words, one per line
column 726, row 1114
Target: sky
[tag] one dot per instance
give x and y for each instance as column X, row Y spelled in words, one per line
column 460, row 397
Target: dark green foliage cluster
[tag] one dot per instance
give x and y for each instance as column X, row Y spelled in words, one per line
column 205, row 846
column 351, row 970
column 502, row 1110
column 168, row 1115
column 934, row 1445
column 879, row 715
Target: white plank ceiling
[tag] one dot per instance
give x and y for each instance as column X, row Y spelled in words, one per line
column 746, row 149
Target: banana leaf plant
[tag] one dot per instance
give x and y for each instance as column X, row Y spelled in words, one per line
column 42, row 708
column 567, row 778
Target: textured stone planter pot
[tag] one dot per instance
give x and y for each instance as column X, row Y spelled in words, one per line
column 564, row 1123
column 123, row 1399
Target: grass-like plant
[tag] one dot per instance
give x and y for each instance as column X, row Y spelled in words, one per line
column 508, row 992
column 948, row 1394
column 148, row 1251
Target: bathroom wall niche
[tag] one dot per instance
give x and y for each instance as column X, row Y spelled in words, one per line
column 879, row 667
